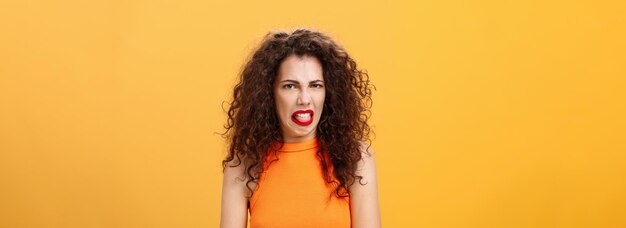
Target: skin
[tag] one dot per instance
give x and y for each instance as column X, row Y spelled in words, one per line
column 299, row 86
column 364, row 207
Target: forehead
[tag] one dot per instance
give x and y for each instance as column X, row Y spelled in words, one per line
column 300, row 68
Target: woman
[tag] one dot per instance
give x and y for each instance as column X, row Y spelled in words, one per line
column 297, row 132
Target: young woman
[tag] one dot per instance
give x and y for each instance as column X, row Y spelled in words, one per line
column 299, row 150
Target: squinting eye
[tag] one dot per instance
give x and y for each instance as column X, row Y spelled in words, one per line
column 289, row 86
column 318, row 85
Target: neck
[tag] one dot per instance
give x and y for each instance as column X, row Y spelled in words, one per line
column 298, row 139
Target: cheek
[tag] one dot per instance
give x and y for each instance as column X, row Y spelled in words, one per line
column 321, row 99
column 281, row 105
column 322, row 102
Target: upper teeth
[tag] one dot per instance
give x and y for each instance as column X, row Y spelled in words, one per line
column 304, row 114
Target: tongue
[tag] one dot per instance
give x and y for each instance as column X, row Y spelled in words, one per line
column 303, row 119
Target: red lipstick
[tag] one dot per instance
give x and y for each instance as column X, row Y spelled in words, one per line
column 302, row 120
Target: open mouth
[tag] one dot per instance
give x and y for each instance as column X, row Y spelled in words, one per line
column 302, row 117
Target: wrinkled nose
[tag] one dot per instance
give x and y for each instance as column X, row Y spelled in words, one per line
column 304, row 99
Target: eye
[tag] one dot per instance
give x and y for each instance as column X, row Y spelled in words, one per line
column 317, row 86
column 289, row 86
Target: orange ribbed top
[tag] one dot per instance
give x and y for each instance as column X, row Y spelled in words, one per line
column 292, row 192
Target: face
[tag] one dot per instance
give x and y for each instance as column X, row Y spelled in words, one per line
column 299, row 93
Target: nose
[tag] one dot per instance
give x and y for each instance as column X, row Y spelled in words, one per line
column 304, row 98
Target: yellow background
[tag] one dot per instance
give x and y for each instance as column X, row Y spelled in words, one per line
column 486, row 113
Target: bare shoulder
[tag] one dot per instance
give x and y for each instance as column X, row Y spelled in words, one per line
column 364, row 206
column 366, row 167
column 234, row 209
column 234, row 168
column 367, row 154
column 235, row 173
column 366, row 148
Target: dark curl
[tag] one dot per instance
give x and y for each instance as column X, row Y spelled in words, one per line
column 253, row 125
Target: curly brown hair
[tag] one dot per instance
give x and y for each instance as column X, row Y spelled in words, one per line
column 253, row 127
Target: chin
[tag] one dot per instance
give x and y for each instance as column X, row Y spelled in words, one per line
column 303, row 132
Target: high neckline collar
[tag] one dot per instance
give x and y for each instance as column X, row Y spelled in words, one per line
column 300, row 146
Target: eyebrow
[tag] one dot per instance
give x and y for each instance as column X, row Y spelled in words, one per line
column 296, row 82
